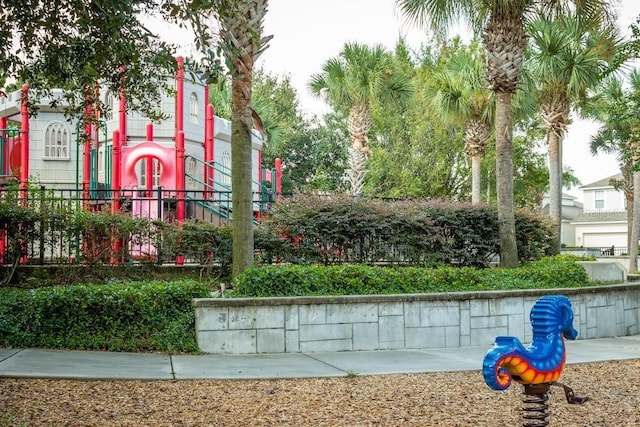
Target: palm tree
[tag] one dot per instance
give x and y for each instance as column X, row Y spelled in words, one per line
column 504, row 38
column 263, row 114
column 241, row 41
column 458, row 93
column 617, row 108
column 220, row 97
column 566, row 61
column 356, row 80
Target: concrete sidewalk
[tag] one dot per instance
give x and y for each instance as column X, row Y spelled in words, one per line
column 37, row 363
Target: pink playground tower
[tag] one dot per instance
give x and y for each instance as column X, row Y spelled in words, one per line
column 163, row 157
column 171, row 160
column 14, row 146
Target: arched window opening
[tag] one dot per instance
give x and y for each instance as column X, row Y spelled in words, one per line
column 193, row 108
column 226, row 169
column 56, row 141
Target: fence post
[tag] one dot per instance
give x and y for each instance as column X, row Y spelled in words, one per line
column 41, row 257
column 159, row 235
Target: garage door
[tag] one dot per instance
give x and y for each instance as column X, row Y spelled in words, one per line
column 602, row 240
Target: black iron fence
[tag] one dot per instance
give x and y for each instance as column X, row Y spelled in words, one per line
column 611, row 251
column 599, row 251
column 60, row 226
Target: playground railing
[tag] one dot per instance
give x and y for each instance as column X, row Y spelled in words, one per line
column 58, row 226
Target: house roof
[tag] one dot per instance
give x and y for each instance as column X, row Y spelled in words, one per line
column 604, row 182
column 569, row 213
column 604, row 216
column 571, row 207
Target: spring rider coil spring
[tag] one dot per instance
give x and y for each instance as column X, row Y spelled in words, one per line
column 537, row 367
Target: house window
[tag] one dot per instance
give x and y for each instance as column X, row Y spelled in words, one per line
column 226, row 168
column 599, row 202
column 193, row 108
column 56, row 141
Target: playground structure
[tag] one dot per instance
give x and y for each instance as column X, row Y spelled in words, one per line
column 139, row 167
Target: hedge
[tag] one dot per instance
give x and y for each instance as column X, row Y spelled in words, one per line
column 342, row 229
column 155, row 316
column 309, row 280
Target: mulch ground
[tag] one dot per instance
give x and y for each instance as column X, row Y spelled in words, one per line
column 432, row 399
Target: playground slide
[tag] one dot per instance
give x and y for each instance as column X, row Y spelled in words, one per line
column 142, row 246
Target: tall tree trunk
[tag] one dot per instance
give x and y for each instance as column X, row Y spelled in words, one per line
column 555, row 189
column 635, row 228
column 504, row 181
column 475, row 179
column 356, row 172
column 627, row 189
column 241, row 165
column 630, row 211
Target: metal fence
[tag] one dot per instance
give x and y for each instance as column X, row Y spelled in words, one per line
column 611, row 251
column 55, row 226
column 599, row 251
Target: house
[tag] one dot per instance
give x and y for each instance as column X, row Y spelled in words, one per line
column 603, row 222
column 599, row 222
column 571, row 209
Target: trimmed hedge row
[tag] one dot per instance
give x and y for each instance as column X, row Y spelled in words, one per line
column 308, row 280
column 155, row 316
column 340, row 229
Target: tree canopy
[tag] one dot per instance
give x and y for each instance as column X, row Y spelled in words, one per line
column 76, row 44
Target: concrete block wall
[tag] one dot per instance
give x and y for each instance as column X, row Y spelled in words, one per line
column 351, row 323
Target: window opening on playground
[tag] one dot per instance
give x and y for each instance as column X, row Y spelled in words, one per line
column 108, row 102
column 191, row 168
column 56, row 142
column 193, row 108
column 157, row 171
column 142, row 173
column 226, row 163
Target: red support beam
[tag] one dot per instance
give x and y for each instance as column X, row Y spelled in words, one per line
column 180, row 95
column 278, row 178
column 86, row 152
column 180, row 186
column 24, row 143
column 149, row 163
column 116, row 181
column 208, row 151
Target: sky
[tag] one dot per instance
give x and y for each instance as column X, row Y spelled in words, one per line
column 306, row 34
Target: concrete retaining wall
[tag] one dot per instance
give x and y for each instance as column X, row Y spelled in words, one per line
column 605, row 270
column 416, row 321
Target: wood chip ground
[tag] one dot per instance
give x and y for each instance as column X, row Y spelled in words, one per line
column 432, row 399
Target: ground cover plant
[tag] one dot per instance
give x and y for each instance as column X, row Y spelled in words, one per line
column 300, row 280
column 134, row 316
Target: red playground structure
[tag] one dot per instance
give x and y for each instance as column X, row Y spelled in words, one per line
column 141, row 173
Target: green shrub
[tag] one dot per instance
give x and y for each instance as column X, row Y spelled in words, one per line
column 299, row 280
column 342, row 229
column 117, row 317
column 202, row 242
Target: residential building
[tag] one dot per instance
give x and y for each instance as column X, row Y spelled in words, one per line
column 603, row 222
column 571, row 209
